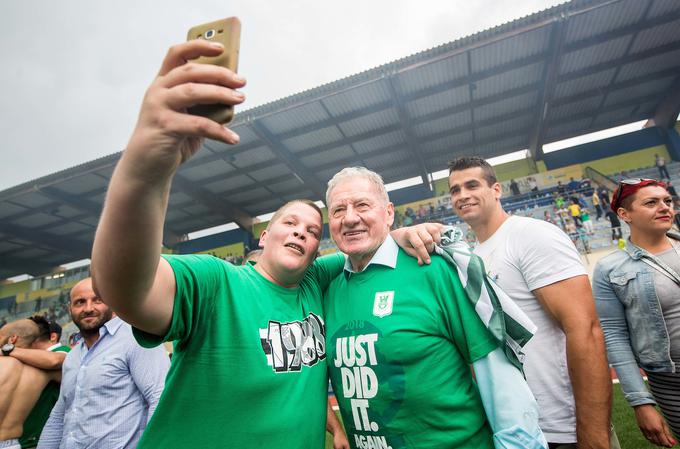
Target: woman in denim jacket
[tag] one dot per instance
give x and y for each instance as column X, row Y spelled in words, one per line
column 637, row 294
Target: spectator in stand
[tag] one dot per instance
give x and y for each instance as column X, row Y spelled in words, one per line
column 422, row 212
column 559, row 201
column 616, row 226
column 431, row 209
column 533, row 186
column 596, row 204
column 582, row 201
column 561, row 189
column 573, row 185
column 585, row 240
column 636, row 293
column 603, row 193
column 671, row 190
column 547, row 217
column 514, row 187
column 575, row 211
column 585, row 220
column 572, row 232
column 660, row 163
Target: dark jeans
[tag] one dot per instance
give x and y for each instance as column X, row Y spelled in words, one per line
column 598, row 209
column 663, row 172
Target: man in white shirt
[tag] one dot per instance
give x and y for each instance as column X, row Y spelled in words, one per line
column 537, row 265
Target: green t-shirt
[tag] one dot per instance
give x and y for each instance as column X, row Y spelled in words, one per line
column 249, row 367
column 41, row 410
column 400, row 342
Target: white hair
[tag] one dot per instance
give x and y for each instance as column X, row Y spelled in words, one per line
column 358, row 172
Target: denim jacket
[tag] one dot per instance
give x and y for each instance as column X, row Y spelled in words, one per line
column 634, row 329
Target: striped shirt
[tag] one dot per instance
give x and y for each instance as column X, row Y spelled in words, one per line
column 108, row 392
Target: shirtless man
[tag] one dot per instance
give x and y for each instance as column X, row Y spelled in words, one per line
column 20, row 385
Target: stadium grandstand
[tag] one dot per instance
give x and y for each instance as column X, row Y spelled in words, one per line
column 519, row 89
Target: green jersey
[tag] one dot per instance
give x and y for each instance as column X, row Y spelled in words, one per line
column 249, row 367
column 400, row 341
column 41, row 410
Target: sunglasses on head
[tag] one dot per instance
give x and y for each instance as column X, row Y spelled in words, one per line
column 635, row 181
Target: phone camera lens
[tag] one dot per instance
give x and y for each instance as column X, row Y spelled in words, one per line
column 209, row 34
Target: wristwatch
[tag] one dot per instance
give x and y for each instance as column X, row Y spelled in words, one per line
column 7, row 349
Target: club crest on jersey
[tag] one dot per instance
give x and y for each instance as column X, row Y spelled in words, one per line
column 382, row 306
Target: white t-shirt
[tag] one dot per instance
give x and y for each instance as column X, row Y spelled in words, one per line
column 525, row 254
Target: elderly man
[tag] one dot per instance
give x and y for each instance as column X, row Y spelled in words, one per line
column 110, row 384
column 20, row 384
column 401, row 339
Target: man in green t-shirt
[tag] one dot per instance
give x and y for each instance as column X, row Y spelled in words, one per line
column 249, row 366
column 45, row 353
column 401, row 340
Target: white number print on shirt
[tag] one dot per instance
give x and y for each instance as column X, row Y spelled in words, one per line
column 289, row 346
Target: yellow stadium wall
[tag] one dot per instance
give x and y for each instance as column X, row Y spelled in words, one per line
column 628, row 161
column 515, row 169
column 14, row 288
column 233, row 250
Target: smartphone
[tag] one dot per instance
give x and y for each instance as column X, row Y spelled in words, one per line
column 228, row 33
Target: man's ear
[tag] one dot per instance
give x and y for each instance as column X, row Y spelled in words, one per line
column 13, row 339
column 498, row 190
column 390, row 214
column 263, row 238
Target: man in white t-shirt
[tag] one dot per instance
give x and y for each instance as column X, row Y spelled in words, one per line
column 537, row 265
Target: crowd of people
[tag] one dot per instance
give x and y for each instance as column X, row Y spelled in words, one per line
column 395, row 320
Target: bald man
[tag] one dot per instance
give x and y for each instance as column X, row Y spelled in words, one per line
column 20, row 385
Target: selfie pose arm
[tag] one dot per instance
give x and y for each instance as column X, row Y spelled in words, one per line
column 127, row 270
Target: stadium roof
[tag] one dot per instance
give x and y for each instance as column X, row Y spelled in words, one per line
column 575, row 68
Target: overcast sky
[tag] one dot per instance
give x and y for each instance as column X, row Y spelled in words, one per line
column 74, row 71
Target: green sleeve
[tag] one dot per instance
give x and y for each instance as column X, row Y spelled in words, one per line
column 198, row 279
column 462, row 323
column 326, row 268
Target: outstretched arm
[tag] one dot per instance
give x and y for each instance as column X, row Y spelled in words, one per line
column 126, row 265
